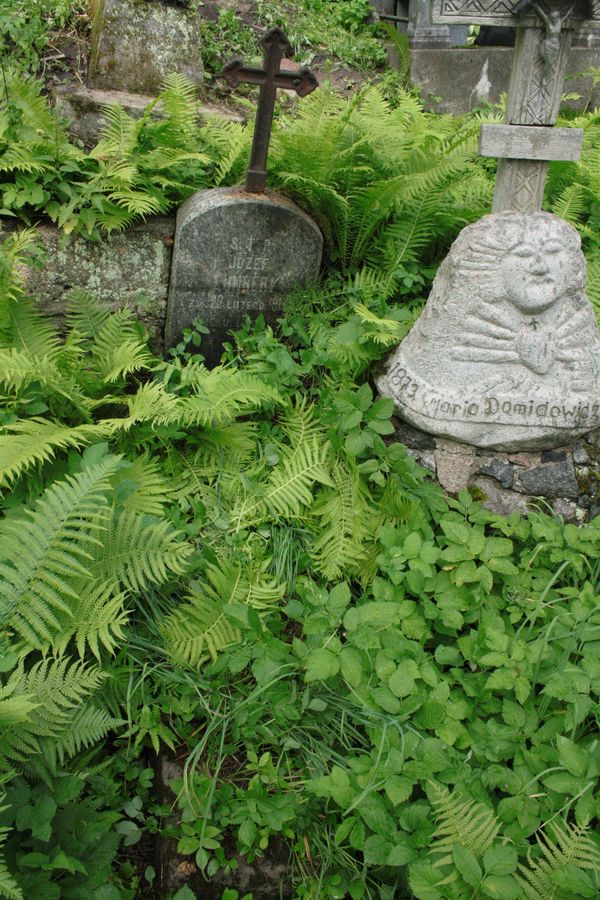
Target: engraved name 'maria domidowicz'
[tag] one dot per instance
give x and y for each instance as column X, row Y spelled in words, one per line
column 506, row 353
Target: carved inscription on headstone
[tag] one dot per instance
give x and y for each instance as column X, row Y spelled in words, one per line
column 236, row 253
column 506, row 353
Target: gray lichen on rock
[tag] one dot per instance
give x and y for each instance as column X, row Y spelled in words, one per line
column 136, row 43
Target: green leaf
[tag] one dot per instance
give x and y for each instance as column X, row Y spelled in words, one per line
column 187, row 844
column 423, row 880
column 412, row 545
column 573, row 882
column 398, row 788
column 184, row 893
column 502, row 887
column 37, row 818
column 351, row 666
column 497, row 546
column 321, row 664
column 344, row 829
column 502, row 565
column 563, row 783
column 500, row 859
column 402, row 682
column 456, row 532
column 513, row 714
column 400, row 855
column 486, row 579
column 388, row 701
column 571, row 756
column 247, row 832
column 377, row 850
column 466, row 863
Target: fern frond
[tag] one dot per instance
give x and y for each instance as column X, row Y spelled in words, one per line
column 37, row 440
column 201, row 628
column 572, row 846
column 221, row 394
column 460, row 822
column 373, row 285
column 178, row 100
column 593, row 285
column 151, row 402
column 46, row 548
column 19, row 368
column 141, row 486
column 58, row 688
column 31, row 332
column 96, row 617
column 386, row 332
column 85, row 312
column 8, row 886
column 88, row 726
column 138, row 551
column 343, row 516
column 289, row 489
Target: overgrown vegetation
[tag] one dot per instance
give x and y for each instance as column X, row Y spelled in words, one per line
column 344, row 31
column 235, row 567
column 388, row 182
column 27, row 26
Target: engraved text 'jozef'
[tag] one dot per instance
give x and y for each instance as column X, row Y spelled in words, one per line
column 506, row 353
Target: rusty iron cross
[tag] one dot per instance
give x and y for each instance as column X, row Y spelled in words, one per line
column 276, row 46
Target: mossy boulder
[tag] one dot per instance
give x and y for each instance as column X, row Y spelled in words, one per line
column 136, row 43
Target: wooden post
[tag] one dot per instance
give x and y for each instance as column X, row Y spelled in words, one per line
column 537, row 77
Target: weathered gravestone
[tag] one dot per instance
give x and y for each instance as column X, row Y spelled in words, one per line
column 136, row 43
column 238, row 250
column 506, row 353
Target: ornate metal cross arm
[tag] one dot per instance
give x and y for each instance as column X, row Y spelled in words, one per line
column 276, row 46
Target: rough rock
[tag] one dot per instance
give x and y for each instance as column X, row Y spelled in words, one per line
column 498, row 499
column 83, row 108
column 454, row 464
column 497, row 469
column 555, row 479
column 412, row 437
column 136, row 43
column 506, row 354
column 125, row 269
column 236, row 254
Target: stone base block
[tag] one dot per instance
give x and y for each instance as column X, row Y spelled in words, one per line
column 565, row 480
column 83, row 108
column 126, row 269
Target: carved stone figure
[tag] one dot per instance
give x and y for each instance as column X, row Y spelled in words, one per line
column 506, row 353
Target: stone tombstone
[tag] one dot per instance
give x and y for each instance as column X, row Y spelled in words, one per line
column 236, row 253
column 506, row 353
column 136, row 43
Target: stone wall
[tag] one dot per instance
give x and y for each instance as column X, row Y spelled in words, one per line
column 457, row 80
column 128, row 268
column 564, row 481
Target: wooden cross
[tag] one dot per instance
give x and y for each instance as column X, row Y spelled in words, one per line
column 526, row 143
column 276, row 46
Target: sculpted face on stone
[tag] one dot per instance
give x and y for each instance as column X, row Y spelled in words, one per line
column 537, row 272
column 506, row 353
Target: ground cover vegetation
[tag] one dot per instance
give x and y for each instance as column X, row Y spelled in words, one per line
column 237, row 569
